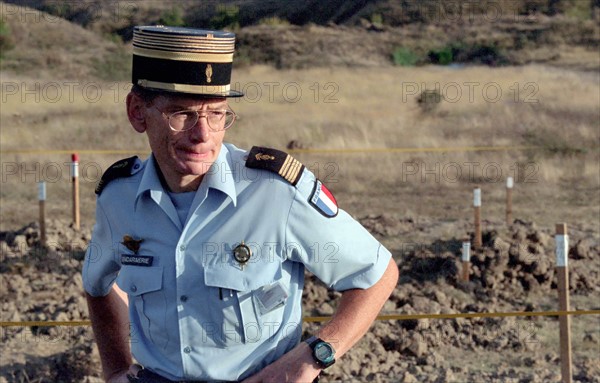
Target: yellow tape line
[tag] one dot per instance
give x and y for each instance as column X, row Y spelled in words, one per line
column 416, row 150
column 468, row 315
column 340, row 151
column 71, row 151
column 326, row 318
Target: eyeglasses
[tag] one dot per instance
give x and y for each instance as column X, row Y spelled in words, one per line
column 182, row 120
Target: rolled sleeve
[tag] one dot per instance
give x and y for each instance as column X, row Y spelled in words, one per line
column 338, row 250
column 100, row 266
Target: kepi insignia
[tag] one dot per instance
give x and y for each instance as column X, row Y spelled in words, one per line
column 242, row 254
column 209, row 73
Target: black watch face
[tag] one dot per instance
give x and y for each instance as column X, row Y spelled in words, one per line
column 323, row 352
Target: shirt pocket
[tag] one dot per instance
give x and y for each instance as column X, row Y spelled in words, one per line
column 245, row 286
column 147, row 301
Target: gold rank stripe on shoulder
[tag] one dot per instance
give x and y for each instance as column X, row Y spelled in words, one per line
column 290, row 169
column 275, row 161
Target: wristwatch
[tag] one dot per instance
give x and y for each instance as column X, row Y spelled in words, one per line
column 322, row 352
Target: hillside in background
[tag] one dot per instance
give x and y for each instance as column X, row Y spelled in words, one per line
column 92, row 39
column 401, row 107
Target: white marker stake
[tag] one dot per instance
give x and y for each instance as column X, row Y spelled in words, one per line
column 477, row 206
column 509, row 188
column 75, row 182
column 466, row 259
column 562, row 272
column 42, row 202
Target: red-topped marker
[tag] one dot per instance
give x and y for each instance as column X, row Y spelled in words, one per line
column 75, row 179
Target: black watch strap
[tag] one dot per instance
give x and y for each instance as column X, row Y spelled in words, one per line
column 312, row 342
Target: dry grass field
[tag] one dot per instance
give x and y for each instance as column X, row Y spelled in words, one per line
column 355, row 113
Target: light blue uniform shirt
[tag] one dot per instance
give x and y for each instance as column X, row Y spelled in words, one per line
column 196, row 313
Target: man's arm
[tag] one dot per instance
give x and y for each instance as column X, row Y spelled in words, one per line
column 355, row 314
column 110, row 321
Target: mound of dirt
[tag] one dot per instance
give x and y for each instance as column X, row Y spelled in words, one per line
column 44, row 284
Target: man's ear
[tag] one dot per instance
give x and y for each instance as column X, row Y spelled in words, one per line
column 136, row 112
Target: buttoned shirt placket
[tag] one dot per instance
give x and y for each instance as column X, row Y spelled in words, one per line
column 219, row 178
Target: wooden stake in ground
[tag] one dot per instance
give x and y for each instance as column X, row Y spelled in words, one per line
column 42, row 201
column 509, row 188
column 562, row 272
column 466, row 259
column 75, row 182
column 477, row 242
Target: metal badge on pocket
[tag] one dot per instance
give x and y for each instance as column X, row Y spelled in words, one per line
column 270, row 297
column 242, row 254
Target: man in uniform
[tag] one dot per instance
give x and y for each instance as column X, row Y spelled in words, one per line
column 208, row 243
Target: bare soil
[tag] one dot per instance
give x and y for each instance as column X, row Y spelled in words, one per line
column 514, row 271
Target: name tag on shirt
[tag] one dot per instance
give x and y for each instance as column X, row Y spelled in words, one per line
column 270, row 297
column 136, row 260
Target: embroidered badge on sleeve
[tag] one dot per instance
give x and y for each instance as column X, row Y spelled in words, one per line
column 322, row 200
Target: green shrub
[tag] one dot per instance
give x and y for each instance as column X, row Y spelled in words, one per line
column 403, row 56
column 580, row 10
column 60, row 9
column 488, row 54
column 227, row 16
column 172, row 17
column 460, row 52
column 441, row 56
column 6, row 41
column 273, row 21
column 377, row 19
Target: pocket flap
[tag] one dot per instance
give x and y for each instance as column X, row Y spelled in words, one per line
column 252, row 276
column 136, row 280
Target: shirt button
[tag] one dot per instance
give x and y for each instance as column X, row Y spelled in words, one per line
column 187, row 350
column 183, row 298
column 133, row 288
column 182, row 247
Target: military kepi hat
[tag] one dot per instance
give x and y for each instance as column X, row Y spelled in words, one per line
column 183, row 60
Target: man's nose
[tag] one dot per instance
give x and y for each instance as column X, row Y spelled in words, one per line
column 201, row 130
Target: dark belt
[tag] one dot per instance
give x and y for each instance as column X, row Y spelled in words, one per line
column 147, row 376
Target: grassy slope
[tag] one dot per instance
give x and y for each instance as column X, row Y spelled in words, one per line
column 369, row 109
column 51, row 48
column 343, row 35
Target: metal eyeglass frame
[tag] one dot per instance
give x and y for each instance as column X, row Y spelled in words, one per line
column 198, row 113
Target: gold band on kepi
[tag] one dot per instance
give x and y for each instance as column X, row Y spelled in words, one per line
column 183, row 60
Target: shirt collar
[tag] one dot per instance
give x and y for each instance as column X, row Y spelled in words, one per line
column 150, row 179
column 219, row 176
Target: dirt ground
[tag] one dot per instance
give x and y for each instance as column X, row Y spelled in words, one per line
column 513, row 272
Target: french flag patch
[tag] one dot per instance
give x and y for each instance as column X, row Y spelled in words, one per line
column 322, row 199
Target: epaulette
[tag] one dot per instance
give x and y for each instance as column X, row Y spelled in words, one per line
column 120, row 169
column 275, row 161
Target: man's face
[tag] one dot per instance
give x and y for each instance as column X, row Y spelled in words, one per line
column 184, row 155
